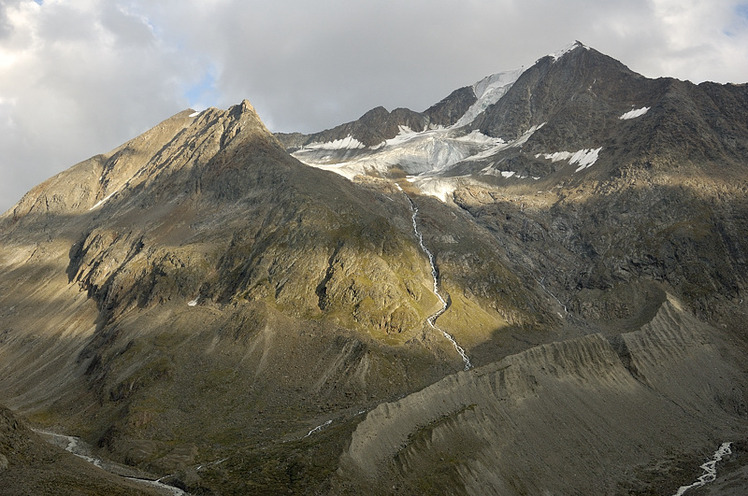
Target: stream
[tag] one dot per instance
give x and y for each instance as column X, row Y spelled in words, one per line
column 318, row 428
column 435, row 275
column 77, row 447
column 709, row 468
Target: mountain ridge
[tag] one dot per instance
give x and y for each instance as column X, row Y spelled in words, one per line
column 572, row 115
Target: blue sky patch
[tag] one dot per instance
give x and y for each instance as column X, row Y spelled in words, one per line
column 203, row 93
column 742, row 10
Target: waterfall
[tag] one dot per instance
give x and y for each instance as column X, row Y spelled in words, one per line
column 435, row 276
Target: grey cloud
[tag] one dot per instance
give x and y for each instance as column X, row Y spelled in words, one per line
column 84, row 81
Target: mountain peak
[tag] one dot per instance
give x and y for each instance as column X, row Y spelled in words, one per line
column 569, row 48
column 245, row 113
column 179, row 142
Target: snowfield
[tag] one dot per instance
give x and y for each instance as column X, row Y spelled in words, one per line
column 347, row 143
column 488, row 91
column 633, row 114
column 585, row 157
column 430, row 151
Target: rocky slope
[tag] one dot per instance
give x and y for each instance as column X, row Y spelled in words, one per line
column 556, row 418
column 198, row 303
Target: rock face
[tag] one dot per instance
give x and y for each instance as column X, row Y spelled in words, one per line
column 449, row 110
column 371, row 129
column 199, row 303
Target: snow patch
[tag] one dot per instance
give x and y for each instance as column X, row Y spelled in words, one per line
column 567, row 49
column 477, row 138
column 555, row 157
column 347, row 143
column 348, row 170
column 404, row 135
column 585, row 157
column 491, row 171
column 442, row 188
column 488, row 91
column 526, row 136
column 196, row 113
column 500, row 144
column 103, row 200
column 633, row 114
column 192, row 303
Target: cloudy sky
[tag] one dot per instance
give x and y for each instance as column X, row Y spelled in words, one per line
column 79, row 77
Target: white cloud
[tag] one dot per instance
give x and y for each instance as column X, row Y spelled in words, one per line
column 78, row 77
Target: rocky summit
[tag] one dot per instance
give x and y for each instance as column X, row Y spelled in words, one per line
column 534, row 287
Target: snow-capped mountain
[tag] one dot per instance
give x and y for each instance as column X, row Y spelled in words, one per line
column 556, row 119
column 426, row 148
column 535, row 286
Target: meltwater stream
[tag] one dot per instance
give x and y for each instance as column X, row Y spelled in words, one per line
column 709, row 468
column 435, row 275
column 75, row 446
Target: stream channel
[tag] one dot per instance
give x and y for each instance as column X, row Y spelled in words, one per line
column 435, row 275
column 80, row 449
column 709, row 468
